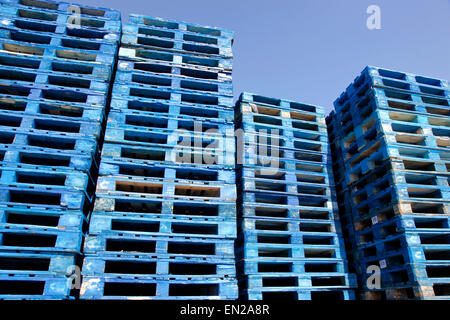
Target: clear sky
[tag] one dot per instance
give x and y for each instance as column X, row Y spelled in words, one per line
column 311, row 50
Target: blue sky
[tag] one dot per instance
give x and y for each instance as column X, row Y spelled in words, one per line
column 310, row 50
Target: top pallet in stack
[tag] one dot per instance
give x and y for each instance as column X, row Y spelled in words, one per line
column 392, row 136
column 289, row 244
column 54, row 82
column 164, row 221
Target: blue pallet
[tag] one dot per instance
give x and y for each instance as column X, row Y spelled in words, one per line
column 390, row 197
column 57, row 7
column 252, row 176
column 166, row 208
column 50, row 163
column 266, row 245
column 254, row 123
column 398, row 169
column 127, row 245
column 286, row 139
column 266, row 211
column 60, row 18
column 362, row 101
column 53, row 51
column 201, row 190
column 281, row 267
column 172, row 25
column 52, row 92
column 285, row 294
column 51, row 142
column 208, row 41
column 253, row 130
column 56, row 66
column 41, row 125
column 288, row 252
column 137, row 37
column 392, row 100
column 42, row 196
column 397, row 153
column 298, row 281
column 151, row 107
column 276, row 158
column 421, row 282
column 406, row 185
column 163, row 68
column 168, row 155
column 406, row 248
column 30, row 287
column 287, row 201
column 395, row 127
column 41, row 264
column 364, row 214
column 69, row 29
column 49, row 178
column 271, row 114
column 402, row 81
column 274, row 165
column 64, row 80
column 409, row 165
column 422, row 223
column 15, row 238
column 207, row 142
column 43, row 38
column 57, row 219
column 158, row 268
column 101, row 223
column 47, row 159
column 400, row 274
column 263, row 101
column 377, row 74
column 284, row 188
column 164, row 94
column 411, row 276
column 147, row 189
column 157, row 172
column 307, row 231
column 137, row 120
column 140, row 189
column 374, row 120
column 148, row 55
column 173, row 82
column 16, row 105
column 94, row 288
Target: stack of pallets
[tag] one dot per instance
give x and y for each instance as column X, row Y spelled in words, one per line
column 288, row 237
column 390, row 133
column 164, row 221
column 54, row 80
